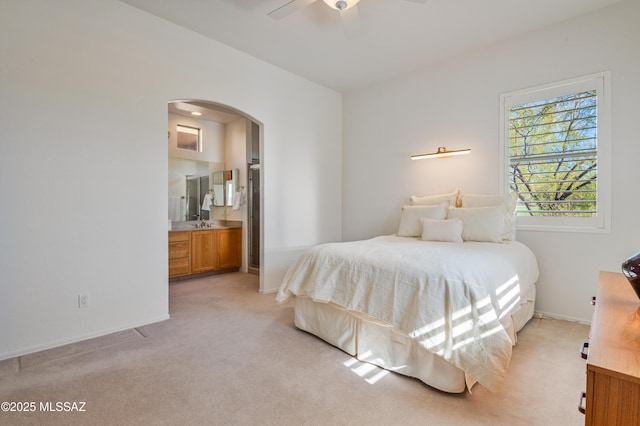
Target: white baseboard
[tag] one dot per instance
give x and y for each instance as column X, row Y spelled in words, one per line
column 75, row 339
column 541, row 314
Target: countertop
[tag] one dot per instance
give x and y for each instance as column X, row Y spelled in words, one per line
column 214, row 224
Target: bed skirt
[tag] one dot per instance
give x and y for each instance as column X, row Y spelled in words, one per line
column 376, row 343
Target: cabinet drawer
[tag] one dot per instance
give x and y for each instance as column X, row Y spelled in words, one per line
column 178, row 267
column 179, row 236
column 179, row 249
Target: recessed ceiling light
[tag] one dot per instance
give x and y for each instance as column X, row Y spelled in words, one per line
column 196, row 113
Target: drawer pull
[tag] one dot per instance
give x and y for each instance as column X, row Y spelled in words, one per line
column 584, row 353
column 581, row 406
column 593, row 301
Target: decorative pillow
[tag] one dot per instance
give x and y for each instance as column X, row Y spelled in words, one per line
column 430, row 200
column 448, row 230
column 410, row 225
column 507, row 201
column 480, row 223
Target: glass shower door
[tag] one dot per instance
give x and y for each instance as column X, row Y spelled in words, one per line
column 254, row 217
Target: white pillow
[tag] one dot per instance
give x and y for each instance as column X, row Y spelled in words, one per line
column 480, row 223
column 430, row 200
column 507, row 201
column 448, row 230
column 410, row 225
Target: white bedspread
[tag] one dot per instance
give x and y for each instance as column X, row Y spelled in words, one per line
column 447, row 296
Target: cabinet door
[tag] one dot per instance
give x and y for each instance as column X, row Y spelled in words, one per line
column 230, row 248
column 204, row 253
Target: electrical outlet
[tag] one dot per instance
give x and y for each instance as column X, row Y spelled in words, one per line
column 83, row 300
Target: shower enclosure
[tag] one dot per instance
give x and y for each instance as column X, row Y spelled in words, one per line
column 254, row 218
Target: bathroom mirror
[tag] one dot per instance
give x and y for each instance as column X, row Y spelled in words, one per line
column 192, row 190
column 225, row 184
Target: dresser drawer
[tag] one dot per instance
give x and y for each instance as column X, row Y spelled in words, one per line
column 179, row 267
column 179, row 236
column 179, row 250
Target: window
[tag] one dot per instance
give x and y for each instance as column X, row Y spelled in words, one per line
column 189, row 138
column 555, row 140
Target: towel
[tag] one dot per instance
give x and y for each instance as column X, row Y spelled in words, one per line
column 174, row 208
column 239, row 198
column 206, row 203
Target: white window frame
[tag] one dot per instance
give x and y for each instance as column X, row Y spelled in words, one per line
column 601, row 82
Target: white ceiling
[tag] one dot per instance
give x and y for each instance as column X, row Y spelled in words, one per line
column 208, row 111
column 396, row 36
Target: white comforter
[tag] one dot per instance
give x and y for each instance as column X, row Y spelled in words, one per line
column 447, row 296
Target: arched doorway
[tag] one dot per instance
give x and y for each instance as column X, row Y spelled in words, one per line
column 222, row 138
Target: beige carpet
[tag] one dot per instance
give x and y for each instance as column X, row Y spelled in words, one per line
column 230, row 356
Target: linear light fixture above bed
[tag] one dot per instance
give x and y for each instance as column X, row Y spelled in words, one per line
column 442, row 152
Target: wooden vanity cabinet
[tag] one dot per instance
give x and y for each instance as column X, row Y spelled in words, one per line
column 613, row 360
column 179, row 254
column 204, row 251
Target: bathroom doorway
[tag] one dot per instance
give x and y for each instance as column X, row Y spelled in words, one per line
column 229, row 140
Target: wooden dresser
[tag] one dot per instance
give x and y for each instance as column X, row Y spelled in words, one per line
column 613, row 360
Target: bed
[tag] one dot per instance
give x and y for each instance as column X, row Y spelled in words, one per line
column 443, row 311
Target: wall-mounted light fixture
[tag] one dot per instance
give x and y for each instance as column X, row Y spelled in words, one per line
column 442, row 152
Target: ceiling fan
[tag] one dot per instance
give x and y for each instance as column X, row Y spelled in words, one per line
column 348, row 10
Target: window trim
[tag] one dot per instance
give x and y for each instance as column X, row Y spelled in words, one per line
column 602, row 83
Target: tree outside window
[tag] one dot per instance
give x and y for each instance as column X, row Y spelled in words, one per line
column 553, row 155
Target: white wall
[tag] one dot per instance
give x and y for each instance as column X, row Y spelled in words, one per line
column 236, row 158
column 456, row 104
column 213, row 139
column 83, row 162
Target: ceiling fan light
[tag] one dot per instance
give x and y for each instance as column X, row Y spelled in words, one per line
column 341, row 4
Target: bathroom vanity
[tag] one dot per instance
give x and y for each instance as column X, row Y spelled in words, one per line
column 212, row 249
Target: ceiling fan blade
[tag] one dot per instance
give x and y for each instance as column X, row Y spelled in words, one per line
column 350, row 22
column 288, row 8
